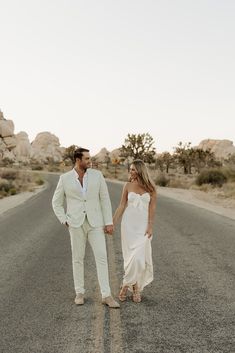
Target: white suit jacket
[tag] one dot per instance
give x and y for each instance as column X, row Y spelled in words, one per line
column 95, row 204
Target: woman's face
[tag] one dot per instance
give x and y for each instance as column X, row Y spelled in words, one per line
column 133, row 172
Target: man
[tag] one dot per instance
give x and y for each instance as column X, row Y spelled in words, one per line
column 88, row 216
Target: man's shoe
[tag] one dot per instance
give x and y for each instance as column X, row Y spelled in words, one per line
column 110, row 302
column 79, row 300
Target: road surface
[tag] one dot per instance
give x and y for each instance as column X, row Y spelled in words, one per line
column 188, row 308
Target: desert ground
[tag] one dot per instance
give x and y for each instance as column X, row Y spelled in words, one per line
column 209, row 201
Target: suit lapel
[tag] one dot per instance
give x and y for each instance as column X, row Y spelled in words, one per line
column 89, row 182
column 76, row 184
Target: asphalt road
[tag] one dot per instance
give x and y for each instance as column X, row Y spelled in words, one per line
column 188, row 308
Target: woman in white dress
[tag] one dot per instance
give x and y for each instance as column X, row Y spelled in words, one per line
column 137, row 209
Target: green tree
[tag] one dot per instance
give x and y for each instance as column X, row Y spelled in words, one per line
column 203, row 158
column 139, row 146
column 107, row 160
column 164, row 161
column 69, row 152
column 183, row 155
column 189, row 157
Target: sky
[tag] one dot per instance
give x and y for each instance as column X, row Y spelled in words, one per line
column 92, row 71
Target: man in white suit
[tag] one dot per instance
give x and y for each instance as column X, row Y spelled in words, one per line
column 88, row 216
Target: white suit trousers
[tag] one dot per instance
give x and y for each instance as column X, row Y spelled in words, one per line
column 96, row 239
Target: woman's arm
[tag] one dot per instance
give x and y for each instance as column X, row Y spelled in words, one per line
column 119, row 211
column 151, row 214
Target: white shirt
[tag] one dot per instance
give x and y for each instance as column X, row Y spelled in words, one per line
column 84, row 186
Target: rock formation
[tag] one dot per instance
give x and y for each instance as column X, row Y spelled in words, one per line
column 115, row 154
column 17, row 148
column 23, row 149
column 46, row 147
column 221, row 148
column 102, row 155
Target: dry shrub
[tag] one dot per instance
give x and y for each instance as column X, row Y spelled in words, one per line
column 203, row 187
column 9, row 174
column 162, row 180
column 230, row 173
column 16, row 181
column 229, row 190
column 213, row 176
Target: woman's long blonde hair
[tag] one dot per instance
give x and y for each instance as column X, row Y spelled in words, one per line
column 143, row 175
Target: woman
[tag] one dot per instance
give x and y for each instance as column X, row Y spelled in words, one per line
column 137, row 208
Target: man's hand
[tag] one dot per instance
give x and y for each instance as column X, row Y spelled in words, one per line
column 109, row 229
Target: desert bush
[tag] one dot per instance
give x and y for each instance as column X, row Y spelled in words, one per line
column 13, row 191
column 229, row 190
column 5, row 185
column 161, row 180
column 9, row 174
column 230, row 173
column 203, row 187
column 54, row 168
column 39, row 181
column 16, row 181
column 215, row 177
column 37, row 167
column 177, row 183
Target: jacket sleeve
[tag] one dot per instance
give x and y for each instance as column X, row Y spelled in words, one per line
column 58, row 202
column 105, row 202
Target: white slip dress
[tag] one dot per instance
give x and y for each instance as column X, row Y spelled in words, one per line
column 136, row 246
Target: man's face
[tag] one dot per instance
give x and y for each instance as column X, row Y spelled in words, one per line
column 85, row 162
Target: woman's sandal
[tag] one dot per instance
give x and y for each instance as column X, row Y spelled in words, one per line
column 123, row 293
column 136, row 297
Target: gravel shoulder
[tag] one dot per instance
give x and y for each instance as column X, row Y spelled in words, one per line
column 12, row 201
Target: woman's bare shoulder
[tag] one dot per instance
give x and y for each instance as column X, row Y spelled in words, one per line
column 127, row 186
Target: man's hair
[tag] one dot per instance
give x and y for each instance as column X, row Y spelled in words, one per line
column 78, row 153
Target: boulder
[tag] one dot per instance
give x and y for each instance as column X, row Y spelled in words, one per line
column 6, row 128
column 102, row 155
column 115, row 154
column 23, row 147
column 221, row 148
column 10, row 142
column 46, row 147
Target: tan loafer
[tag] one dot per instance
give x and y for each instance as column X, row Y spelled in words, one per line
column 110, row 302
column 79, row 299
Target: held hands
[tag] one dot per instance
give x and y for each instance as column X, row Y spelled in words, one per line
column 109, row 229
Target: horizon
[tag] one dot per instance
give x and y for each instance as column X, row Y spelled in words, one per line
column 94, row 152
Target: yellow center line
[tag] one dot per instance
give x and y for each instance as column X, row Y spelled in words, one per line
column 116, row 343
column 98, row 325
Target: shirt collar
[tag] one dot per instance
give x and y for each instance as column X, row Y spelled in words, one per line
column 76, row 174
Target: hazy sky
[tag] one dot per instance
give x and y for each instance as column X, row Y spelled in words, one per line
column 93, row 71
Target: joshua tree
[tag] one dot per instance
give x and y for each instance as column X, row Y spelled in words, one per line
column 139, row 146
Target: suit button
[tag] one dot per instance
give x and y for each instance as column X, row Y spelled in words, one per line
column 84, row 211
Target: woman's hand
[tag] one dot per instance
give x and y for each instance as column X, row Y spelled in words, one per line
column 149, row 231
